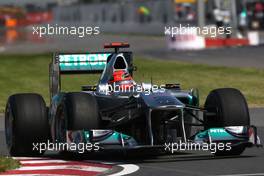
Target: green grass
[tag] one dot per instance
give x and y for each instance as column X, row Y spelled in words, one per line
column 29, row 73
column 7, row 163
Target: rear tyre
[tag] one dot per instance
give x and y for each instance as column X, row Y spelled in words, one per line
column 26, row 123
column 226, row 107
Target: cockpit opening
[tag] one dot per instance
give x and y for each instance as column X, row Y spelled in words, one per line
column 120, row 63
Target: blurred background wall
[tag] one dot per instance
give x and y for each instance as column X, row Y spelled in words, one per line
column 146, row 17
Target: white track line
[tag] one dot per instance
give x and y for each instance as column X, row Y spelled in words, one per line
column 127, row 169
column 72, row 167
column 29, row 158
column 43, row 161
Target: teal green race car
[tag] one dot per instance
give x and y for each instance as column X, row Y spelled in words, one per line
column 120, row 114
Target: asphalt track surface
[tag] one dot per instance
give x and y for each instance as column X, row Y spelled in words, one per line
column 188, row 163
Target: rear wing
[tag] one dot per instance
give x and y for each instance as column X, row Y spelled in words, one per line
column 79, row 63
column 82, row 63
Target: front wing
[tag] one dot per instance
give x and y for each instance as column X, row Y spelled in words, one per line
column 109, row 139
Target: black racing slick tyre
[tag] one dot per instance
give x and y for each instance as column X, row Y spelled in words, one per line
column 229, row 108
column 82, row 111
column 26, row 124
column 79, row 111
column 226, row 107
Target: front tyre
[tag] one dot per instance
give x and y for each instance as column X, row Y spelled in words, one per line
column 79, row 111
column 226, row 107
column 82, row 111
column 26, row 123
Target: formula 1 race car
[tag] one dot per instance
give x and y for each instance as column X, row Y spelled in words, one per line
column 120, row 114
